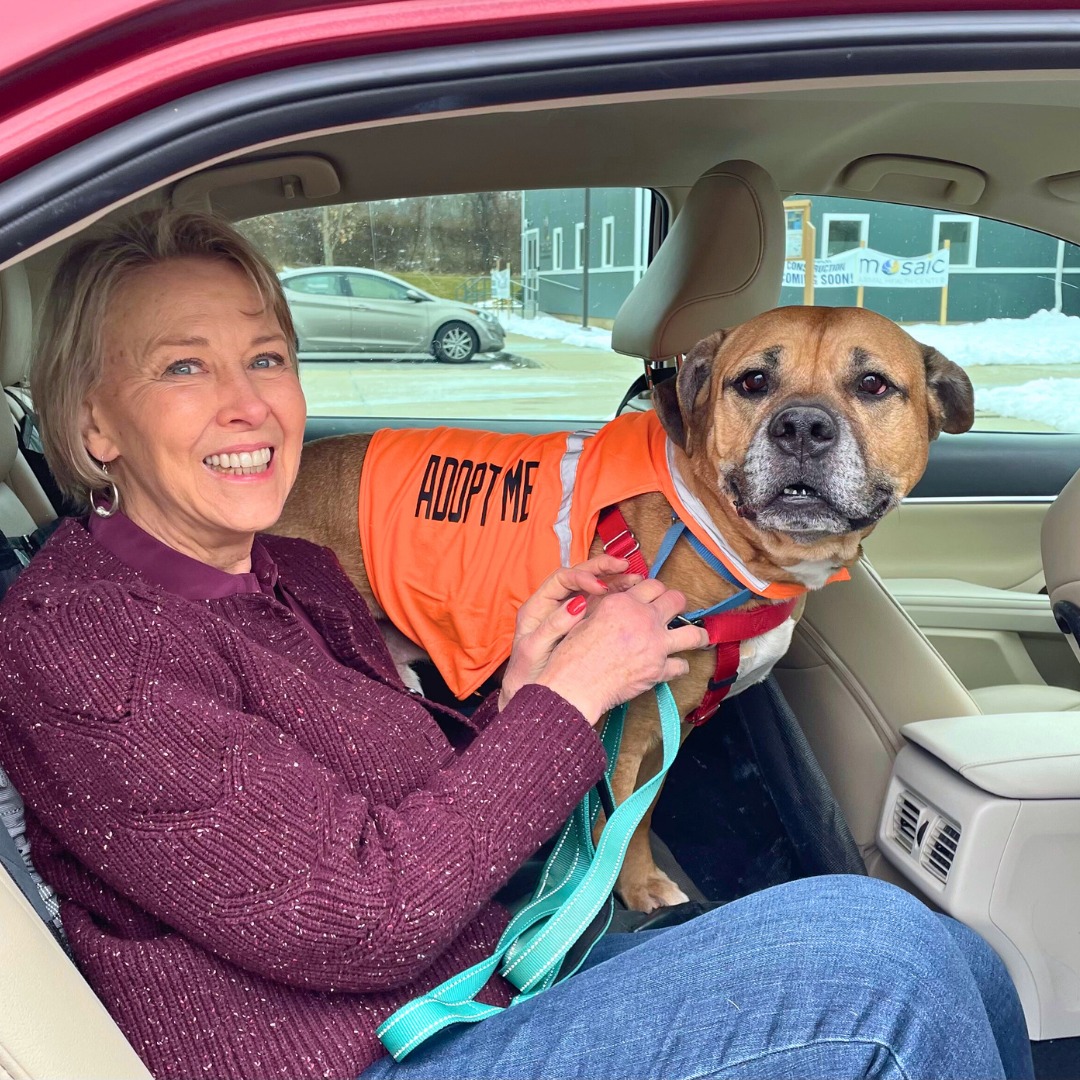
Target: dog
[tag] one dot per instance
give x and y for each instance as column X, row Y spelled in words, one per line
column 780, row 444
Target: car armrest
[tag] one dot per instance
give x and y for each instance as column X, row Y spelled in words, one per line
column 1015, row 755
column 948, row 603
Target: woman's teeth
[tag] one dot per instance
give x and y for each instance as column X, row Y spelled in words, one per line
column 245, row 464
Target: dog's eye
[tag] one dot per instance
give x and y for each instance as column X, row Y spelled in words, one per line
column 754, row 382
column 873, row 384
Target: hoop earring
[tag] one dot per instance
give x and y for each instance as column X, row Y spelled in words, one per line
column 107, row 511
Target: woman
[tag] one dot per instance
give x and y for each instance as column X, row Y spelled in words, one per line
column 265, row 844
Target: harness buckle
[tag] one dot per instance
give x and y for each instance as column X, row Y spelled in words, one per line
column 627, row 545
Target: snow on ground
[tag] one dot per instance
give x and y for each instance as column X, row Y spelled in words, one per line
column 1052, row 401
column 1047, row 337
column 548, row 328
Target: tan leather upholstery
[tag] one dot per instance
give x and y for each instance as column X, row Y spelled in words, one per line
column 858, row 670
column 721, row 263
column 1061, row 549
column 1026, row 697
column 51, row 1024
column 16, row 325
column 52, row 1027
column 23, row 504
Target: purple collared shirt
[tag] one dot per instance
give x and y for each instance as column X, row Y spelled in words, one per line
column 189, row 578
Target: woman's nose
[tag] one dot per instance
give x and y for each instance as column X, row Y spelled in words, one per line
column 240, row 398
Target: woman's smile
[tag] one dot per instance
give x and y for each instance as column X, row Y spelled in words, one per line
column 236, row 464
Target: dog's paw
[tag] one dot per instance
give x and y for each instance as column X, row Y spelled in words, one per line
column 655, row 890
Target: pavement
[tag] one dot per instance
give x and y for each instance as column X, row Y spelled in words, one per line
column 540, row 380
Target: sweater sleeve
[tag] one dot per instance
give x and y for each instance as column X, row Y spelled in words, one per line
column 140, row 752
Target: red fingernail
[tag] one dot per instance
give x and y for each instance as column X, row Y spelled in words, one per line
column 603, row 584
column 576, row 605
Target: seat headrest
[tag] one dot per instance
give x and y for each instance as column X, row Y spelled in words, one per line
column 721, row 264
column 1061, row 549
column 16, row 325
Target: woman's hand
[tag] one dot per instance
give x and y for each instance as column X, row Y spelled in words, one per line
column 553, row 611
column 600, row 652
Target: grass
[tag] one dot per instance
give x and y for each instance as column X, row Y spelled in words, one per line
column 445, row 285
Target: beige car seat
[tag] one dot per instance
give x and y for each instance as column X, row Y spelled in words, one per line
column 23, row 503
column 1061, row 560
column 51, row 1024
column 858, row 668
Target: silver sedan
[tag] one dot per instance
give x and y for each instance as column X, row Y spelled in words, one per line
column 358, row 313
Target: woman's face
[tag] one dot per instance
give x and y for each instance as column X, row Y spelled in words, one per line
column 199, row 414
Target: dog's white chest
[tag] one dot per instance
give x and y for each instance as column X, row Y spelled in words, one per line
column 758, row 655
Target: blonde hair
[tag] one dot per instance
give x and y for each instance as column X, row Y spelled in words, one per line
column 70, row 359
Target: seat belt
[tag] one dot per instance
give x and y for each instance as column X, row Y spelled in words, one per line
column 12, row 861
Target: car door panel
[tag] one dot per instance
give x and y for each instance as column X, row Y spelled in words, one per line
column 962, row 555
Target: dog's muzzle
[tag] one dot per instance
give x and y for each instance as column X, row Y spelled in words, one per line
column 805, row 475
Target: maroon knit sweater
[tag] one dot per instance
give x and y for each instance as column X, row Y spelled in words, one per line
column 262, row 852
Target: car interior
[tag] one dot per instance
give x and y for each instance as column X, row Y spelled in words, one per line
column 938, row 690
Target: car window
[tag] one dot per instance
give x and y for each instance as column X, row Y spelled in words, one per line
column 526, row 285
column 315, row 284
column 369, row 287
column 1000, row 300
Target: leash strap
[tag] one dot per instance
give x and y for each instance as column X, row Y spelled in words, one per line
column 574, row 886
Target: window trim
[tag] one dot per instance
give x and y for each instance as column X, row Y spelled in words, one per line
column 579, row 254
column 828, row 219
column 607, row 242
column 557, row 248
column 973, row 244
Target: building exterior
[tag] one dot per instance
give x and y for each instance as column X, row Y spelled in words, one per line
column 995, row 270
column 583, row 251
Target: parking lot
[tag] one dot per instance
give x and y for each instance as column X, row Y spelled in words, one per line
column 540, row 380
column 531, row 380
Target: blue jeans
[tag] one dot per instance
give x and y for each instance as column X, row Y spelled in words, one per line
column 826, row 977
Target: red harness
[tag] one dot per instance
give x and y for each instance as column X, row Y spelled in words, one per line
column 727, row 630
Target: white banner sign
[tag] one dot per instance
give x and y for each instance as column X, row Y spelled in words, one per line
column 500, row 284
column 873, row 269
column 828, row 273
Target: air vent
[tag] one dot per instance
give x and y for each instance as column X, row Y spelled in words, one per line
column 905, row 825
column 939, row 850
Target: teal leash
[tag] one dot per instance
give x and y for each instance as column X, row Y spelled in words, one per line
column 573, row 889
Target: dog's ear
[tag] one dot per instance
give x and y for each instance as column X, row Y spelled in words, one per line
column 677, row 400
column 951, row 391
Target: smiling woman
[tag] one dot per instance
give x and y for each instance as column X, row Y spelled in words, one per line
column 181, row 374
column 200, row 408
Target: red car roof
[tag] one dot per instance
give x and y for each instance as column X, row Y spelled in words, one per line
column 71, row 68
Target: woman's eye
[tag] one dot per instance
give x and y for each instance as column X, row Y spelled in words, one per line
column 268, row 360
column 181, row 367
column 873, row 384
column 754, row 382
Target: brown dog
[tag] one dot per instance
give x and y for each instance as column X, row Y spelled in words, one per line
column 788, row 436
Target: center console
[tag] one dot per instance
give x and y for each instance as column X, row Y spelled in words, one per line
column 982, row 815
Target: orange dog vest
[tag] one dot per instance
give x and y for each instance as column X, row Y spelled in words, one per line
column 459, row 527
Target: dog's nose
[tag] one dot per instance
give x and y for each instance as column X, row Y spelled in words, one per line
column 803, row 431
